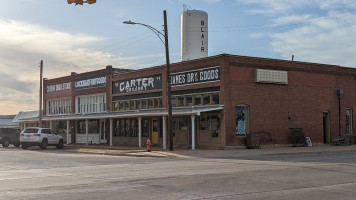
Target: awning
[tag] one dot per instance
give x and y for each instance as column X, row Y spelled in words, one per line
column 129, row 114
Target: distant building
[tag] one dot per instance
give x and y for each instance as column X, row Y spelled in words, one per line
column 6, row 121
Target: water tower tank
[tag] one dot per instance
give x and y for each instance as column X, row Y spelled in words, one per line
column 194, row 36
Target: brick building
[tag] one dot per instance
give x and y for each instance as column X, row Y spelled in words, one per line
column 217, row 102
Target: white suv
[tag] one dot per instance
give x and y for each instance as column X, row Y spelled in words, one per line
column 41, row 137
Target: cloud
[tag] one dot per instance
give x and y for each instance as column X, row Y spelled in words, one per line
column 24, row 45
column 319, row 31
column 274, row 6
column 329, row 41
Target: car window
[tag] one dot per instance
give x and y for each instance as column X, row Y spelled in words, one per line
column 46, row 131
column 31, row 130
column 52, row 132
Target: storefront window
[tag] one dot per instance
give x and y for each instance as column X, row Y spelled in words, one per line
column 204, row 123
column 180, row 123
column 241, row 120
column 210, row 123
column 145, row 127
column 122, row 128
column 348, row 121
column 93, row 126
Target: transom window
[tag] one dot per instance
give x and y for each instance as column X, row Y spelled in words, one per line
column 200, row 99
column 137, row 104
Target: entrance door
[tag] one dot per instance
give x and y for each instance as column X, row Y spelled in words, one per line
column 155, row 130
column 103, row 131
column 326, row 126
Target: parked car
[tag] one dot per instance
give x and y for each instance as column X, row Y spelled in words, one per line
column 41, row 137
column 10, row 136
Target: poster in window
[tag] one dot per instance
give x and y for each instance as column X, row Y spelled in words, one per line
column 241, row 120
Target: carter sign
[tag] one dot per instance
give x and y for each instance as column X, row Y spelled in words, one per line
column 205, row 75
column 138, row 84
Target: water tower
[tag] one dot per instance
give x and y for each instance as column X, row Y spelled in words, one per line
column 194, row 35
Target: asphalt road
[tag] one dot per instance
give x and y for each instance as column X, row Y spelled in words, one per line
column 60, row 174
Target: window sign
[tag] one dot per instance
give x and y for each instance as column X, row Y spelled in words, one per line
column 146, row 83
column 90, row 82
column 205, row 75
column 59, row 87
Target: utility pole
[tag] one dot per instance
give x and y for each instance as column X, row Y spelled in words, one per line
column 40, row 108
column 168, row 72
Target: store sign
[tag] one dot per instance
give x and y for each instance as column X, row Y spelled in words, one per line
column 205, row 75
column 146, row 83
column 58, row 87
column 90, row 82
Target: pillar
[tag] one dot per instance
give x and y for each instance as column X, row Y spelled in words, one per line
column 86, row 131
column 50, row 125
column 140, row 132
column 193, row 131
column 67, row 131
column 111, row 132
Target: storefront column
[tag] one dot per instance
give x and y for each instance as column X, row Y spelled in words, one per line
column 111, row 132
column 50, row 124
column 193, row 132
column 164, row 132
column 67, row 131
column 24, row 125
column 100, row 130
column 86, row 132
column 140, row 132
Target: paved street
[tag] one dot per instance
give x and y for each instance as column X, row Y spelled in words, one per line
column 63, row 174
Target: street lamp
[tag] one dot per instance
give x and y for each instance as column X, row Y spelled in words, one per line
column 168, row 80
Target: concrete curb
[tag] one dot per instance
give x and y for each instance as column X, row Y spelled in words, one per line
column 224, row 154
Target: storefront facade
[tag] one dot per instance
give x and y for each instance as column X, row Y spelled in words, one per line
column 217, row 102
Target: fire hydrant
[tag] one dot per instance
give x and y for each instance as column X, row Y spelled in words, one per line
column 149, row 144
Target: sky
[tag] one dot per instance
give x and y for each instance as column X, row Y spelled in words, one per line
column 89, row 37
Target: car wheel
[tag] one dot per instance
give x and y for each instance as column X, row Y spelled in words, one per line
column 24, row 146
column 43, row 144
column 16, row 144
column 6, row 142
column 60, row 144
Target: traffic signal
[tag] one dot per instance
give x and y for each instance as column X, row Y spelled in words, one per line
column 91, row 1
column 76, row 2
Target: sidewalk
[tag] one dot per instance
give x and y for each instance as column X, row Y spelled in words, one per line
column 206, row 153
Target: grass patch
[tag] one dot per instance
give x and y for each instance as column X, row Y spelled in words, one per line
column 109, row 150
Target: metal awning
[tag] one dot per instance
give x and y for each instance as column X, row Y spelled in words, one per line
column 128, row 114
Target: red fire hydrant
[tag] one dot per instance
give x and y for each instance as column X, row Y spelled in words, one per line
column 149, row 144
